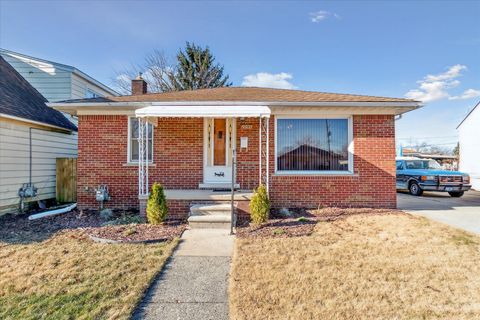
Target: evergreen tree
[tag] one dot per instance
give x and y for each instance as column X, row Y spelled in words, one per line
column 157, row 208
column 197, row 69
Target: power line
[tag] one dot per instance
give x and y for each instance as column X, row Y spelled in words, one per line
column 432, row 145
column 438, row 137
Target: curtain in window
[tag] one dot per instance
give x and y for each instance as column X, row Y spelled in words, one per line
column 312, row 145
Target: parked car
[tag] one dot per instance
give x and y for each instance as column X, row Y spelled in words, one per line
column 417, row 175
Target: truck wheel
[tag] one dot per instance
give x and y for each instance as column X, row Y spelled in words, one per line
column 456, row 194
column 415, row 189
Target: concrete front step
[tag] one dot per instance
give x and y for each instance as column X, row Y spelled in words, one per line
column 210, row 209
column 210, row 222
column 212, row 215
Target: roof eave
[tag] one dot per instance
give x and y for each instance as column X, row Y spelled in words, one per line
column 72, row 108
column 40, row 123
column 412, row 104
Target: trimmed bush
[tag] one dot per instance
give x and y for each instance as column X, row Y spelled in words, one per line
column 260, row 205
column 157, row 209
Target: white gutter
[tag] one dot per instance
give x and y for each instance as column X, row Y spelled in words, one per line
column 204, row 111
column 52, row 212
column 93, row 105
column 2, row 115
column 75, row 105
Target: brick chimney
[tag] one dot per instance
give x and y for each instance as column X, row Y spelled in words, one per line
column 139, row 86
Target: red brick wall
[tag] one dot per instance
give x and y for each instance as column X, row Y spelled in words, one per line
column 247, row 158
column 102, row 158
column 178, row 158
column 178, row 153
column 102, row 155
column 373, row 182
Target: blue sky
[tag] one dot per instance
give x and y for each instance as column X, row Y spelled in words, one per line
column 428, row 50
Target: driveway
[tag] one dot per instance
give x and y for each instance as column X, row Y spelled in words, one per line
column 463, row 213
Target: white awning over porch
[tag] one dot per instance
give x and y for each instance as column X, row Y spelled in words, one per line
column 151, row 113
column 204, row 111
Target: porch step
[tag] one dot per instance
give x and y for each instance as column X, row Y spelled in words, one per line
column 215, row 216
column 218, row 186
column 210, row 222
column 210, row 209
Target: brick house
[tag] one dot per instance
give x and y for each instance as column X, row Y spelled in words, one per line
column 309, row 148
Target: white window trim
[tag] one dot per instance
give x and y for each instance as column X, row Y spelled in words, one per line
column 129, row 143
column 350, row 148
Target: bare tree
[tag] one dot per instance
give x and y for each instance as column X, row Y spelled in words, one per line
column 156, row 69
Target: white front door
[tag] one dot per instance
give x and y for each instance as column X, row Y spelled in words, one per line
column 219, row 139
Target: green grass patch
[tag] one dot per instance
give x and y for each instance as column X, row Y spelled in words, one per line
column 71, row 277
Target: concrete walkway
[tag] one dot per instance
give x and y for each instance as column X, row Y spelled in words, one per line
column 194, row 282
column 463, row 213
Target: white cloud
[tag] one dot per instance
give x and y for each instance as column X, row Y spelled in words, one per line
column 435, row 87
column 269, row 80
column 467, row 94
column 321, row 15
column 452, row 73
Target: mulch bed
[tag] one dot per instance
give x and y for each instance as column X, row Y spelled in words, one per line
column 301, row 222
column 277, row 228
column 16, row 228
column 137, row 232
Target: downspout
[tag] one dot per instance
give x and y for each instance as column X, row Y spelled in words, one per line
column 27, row 190
column 232, row 205
column 30, row 162
column 398, row 117
column 52, row 212
column 268, row 157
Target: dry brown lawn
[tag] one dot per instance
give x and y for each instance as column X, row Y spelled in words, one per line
column 361, row 267
column 68, row 276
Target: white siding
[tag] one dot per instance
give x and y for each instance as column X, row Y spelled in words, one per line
column 15, row 158
column 80, row 87
column 470, row 147
column 53, row 83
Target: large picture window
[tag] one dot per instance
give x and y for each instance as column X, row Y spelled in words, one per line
column 133, row 140
column 312, row 145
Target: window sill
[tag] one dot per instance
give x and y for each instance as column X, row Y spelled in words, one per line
column 321, row 174
column 135, row 164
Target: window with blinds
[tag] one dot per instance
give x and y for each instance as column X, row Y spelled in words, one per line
column 312, row 145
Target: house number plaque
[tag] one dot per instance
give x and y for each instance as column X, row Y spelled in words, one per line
column 247, row 126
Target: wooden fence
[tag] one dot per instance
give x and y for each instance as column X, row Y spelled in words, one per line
column 66, row 188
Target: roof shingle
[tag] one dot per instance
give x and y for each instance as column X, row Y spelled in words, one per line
column 20, row 99
column 252, row 94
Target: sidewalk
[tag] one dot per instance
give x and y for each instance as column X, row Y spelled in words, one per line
column 194, row 283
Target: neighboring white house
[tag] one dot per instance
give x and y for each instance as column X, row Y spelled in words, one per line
column 30, row 144
column 56, row 81
column 468, row 131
